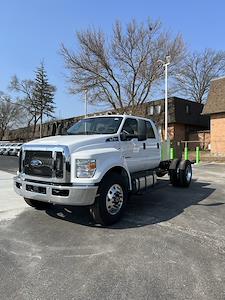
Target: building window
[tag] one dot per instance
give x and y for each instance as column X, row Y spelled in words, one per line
column 158, row 109
column 151, row 110
column 187, row 109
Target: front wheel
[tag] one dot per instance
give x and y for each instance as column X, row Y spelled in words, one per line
column 37, row 204
column 111, row 200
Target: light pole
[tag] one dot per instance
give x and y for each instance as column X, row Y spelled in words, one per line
column 85, row 108
column 165, row 64
column 85, row 103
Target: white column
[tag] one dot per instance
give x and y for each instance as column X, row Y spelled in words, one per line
column 85, row 125
column 86, row 104
column 166, row 104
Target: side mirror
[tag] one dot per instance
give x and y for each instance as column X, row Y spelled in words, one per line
column 123, row 136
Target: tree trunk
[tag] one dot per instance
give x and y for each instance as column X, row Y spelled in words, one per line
column 1, row 135
column 34, row 127
column 41, row 125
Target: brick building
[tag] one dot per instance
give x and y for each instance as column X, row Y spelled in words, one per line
column 184, row 117
column 215, row 107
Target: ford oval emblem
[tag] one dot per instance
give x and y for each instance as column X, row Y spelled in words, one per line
column 36, row 163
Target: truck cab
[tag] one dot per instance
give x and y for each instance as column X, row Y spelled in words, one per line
column 98, row 163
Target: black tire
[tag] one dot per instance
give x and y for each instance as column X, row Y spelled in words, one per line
column 115, row 184
column 174, row 173
column 185, row 173
column 37, row 204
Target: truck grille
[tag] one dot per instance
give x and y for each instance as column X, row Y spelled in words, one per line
column 43, row 164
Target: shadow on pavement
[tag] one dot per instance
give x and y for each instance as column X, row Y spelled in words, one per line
column 161, row 203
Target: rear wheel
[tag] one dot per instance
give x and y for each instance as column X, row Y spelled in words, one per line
column 111, row 200
column 37, row 204
column 185, row 173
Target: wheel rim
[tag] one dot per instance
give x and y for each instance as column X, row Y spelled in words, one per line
column 188, row 173
column 114, row 199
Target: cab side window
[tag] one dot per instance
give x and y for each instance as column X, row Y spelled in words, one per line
column 131, row 126
column 150, row 131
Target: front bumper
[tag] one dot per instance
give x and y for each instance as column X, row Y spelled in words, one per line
column 66, row 195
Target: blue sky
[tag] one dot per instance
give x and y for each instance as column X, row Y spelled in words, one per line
column 31, row 31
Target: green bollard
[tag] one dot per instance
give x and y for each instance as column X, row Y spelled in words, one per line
column 186, row 154
column 171, row 153
column 197, row 155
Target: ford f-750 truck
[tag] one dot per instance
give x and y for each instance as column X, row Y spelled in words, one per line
column 99, row 163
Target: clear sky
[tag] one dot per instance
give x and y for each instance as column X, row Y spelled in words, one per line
column 32, row 30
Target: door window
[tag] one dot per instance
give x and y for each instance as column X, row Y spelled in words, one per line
column 150, row 131
column 131, row 127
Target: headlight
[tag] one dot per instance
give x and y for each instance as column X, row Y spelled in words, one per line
column 85, row 168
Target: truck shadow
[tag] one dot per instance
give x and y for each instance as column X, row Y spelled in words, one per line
column 161, row 203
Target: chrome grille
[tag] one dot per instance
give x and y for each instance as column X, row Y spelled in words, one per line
column 54, row 166
column 38, row 163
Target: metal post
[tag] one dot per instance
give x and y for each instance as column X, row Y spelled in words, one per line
column 165, row 65
column 197, row 155
column 85, row 125
column 186, row 154
column 166, row 104
column 85, row 103
column 172, row 153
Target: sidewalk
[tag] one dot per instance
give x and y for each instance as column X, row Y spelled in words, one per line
column 10, row 203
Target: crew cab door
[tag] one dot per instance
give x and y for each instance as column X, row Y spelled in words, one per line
column 153, row 150
column 133, row 149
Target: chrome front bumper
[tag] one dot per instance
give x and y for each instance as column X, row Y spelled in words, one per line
column 66, row 195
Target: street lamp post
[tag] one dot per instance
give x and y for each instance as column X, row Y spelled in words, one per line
column 85, row 103
column 85, row 100
column 165, row 64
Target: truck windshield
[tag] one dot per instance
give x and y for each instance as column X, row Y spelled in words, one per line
column 102, row 125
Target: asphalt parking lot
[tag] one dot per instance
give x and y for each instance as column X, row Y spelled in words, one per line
column 169, row 245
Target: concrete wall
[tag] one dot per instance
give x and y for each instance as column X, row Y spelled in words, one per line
column 48, row 129
column 56, row 127
column 217, row 125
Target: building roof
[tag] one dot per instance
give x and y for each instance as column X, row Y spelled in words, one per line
column 180, row 111
column 216, row 97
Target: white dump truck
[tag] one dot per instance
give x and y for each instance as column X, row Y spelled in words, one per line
column 99, row 163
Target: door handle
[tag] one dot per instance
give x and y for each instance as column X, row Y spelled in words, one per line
column 144, row 146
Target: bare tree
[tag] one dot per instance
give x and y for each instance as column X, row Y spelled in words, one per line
column 196, row 72
column 25, row 89
column 122, row 69
column 9, row 114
